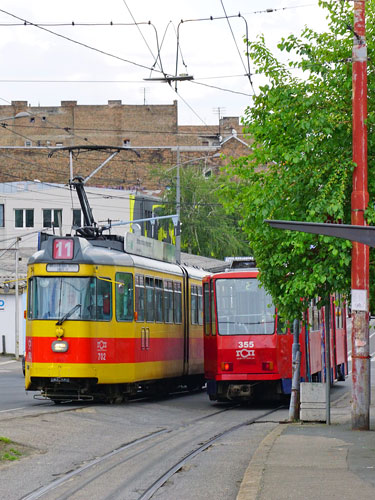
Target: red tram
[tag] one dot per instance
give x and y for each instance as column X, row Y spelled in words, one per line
column 247, row 349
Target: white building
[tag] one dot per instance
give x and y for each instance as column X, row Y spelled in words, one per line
column 28, row 208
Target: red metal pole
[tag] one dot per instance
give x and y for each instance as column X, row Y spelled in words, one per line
column 360, row 252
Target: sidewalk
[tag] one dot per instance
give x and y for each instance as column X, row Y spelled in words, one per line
column 313, row 461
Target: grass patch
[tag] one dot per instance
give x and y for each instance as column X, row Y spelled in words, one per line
column 9, row 451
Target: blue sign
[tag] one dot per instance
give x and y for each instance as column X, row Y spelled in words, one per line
column 2, row 304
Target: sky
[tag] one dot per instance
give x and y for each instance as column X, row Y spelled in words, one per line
column 44, row 65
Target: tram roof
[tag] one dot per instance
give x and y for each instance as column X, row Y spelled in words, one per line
column 89, row 252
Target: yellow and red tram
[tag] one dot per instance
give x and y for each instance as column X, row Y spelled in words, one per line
column 103, row 324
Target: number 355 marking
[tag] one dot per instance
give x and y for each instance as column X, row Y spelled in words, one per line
column 246, row 344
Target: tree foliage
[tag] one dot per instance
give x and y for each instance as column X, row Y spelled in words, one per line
column 206, row 228
column 301, row 164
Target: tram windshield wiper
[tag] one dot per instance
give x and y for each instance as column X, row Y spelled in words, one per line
column 68, row 314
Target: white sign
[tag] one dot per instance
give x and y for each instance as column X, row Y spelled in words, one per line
column 359, row 300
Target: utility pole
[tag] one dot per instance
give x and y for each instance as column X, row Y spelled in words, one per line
column 360, row 252
column 327, row 325
column 178, row 208
column 17, row 306
column 296, row 374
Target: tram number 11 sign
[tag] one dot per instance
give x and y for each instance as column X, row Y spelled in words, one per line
column 63, row 248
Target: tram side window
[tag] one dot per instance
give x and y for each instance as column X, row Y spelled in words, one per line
column 124, row 297
column 103, row 300
column 194, row 304
column 314, row 313
column 150, row 299
column 140, row 297
column 30, row 301
column 168, row 301
column 212, row 310
column 200, row 306
column 207, row 322
column 158, row 300
column 177, row 299
column 282, row 326
column 339, row 311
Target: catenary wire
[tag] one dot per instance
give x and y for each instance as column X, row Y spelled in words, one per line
column 77, row 42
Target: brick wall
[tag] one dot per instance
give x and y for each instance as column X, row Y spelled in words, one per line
column 152, row 130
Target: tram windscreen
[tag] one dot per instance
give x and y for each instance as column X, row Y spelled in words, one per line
column 53, row 297
column 243, row 308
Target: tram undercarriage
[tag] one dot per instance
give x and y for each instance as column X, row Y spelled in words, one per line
column 70, row 389
column 241, row 391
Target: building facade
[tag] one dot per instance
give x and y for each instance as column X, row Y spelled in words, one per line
column 34, row 142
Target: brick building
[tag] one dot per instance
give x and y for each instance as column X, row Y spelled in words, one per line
column 149, row 135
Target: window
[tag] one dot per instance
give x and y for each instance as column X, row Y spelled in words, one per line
column 200, row 306
column 177, row 302
column 194, row 304
column 2, row 223
column 28, row 144
column 140, row 297
column 51, row 217
column 150, row 301
column 158, row 300
column 124, row 297
column 212, row 310
column 24, row 217
column 103, row 300
column 77, row 298
column 207, row 322
column 243, row 307
column 339, row 311
column 77, row 217
column 168, row 301
column 314, row 315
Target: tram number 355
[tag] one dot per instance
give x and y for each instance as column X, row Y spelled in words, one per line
column 245, row 344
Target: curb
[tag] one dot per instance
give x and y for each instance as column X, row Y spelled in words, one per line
column 251, row 482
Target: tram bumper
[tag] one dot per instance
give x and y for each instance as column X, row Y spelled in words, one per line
column 236, row 391
column 229, row 390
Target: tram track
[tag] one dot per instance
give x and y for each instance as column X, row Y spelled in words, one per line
column 142, row 450
column 147, row 494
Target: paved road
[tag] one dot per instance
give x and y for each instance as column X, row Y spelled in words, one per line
column 66, row 437
column 13, row 394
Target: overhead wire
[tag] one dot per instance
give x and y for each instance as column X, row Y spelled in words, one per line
column 144, row 39
column 235, row 42
column 114, row 24
column 76, row 41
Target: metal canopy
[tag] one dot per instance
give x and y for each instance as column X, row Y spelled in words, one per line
column 360, row 234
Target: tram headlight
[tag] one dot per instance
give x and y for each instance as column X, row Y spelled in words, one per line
column 60, row 346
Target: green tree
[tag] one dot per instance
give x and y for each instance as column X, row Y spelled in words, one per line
column 206, row 228
column 301, row 164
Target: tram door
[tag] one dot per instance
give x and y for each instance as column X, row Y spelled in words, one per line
column 210, row 337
